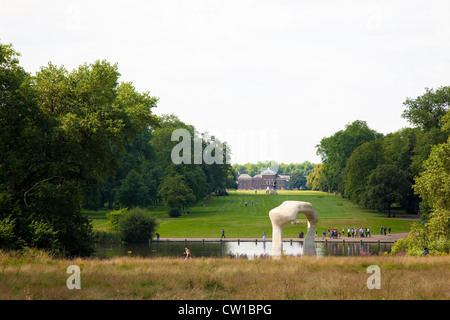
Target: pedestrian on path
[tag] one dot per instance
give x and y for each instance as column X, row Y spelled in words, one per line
column 223, row 234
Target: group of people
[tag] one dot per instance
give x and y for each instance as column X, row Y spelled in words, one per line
column 384, row 229
column 353, row 232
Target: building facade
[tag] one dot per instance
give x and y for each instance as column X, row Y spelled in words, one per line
column 263, row 181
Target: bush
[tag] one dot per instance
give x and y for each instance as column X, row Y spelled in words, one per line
column 136, row 226
column 419, row 238
column 43, row 236
column 7, row 233
column 174, row 212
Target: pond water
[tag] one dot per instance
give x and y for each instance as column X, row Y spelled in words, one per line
column 236, row 249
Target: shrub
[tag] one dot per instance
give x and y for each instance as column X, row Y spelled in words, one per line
column 174, row 212
column 419, row 238
column 7, row 233
column 137, row 226
column 43, row 236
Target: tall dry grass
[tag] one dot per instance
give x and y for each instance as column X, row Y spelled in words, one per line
column 39, row 276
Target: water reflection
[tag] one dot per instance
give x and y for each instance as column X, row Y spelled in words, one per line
column 237, row 249
column 351, row 248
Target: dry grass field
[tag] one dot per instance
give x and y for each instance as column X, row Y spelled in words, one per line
column 39, row 276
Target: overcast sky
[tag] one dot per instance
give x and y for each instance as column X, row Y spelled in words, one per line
column 272, row 78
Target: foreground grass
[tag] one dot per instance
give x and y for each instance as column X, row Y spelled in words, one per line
column 37, row 275
column 208, row 217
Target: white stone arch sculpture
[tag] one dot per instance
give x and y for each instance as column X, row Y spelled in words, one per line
column 287, row 212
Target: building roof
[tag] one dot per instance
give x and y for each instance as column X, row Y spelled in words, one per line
column 268, row 172
column 244, row 176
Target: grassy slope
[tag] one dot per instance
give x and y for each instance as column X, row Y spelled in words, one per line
column 250, row 222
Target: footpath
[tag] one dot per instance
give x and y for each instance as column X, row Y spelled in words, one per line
column 389, row 238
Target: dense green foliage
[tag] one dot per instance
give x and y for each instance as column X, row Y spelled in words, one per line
column 146, row 174
column 409, row 168
column 137, row 226
column 60, row 132
column 335, row 151
column 82, row 138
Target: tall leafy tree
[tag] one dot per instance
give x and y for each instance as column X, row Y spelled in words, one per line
column 315, row 179
column 175, row 192
column 363, row 160
column 133, row 191
column 335, row 151
column 386, row 184
column 426, row 110
column 433, row 185
column 297, row 180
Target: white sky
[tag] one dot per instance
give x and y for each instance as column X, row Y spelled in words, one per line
column 272, row 78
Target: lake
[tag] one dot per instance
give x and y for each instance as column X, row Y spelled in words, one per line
column 236, row 249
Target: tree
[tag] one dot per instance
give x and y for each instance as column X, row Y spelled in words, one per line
column 297, row 180
column 192, row 175
column 401, row 150
column 315, row 179
column 427, row 110
column 360, row 164
column 133, row 191
column 175, row 192
column 433, row 184
column 386, row 185
column 335, row 151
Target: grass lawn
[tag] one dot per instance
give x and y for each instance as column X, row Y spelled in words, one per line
column 208, row 217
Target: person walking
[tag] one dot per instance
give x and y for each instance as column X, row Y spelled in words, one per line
column 264, row 235
column 187, row 254
column 223, row 234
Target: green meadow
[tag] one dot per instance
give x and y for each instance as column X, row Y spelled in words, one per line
column 207, row 218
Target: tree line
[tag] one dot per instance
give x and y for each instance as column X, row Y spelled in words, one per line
column 83, row 138
column 146, row 174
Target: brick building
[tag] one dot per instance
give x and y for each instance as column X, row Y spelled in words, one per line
column 262, row 181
